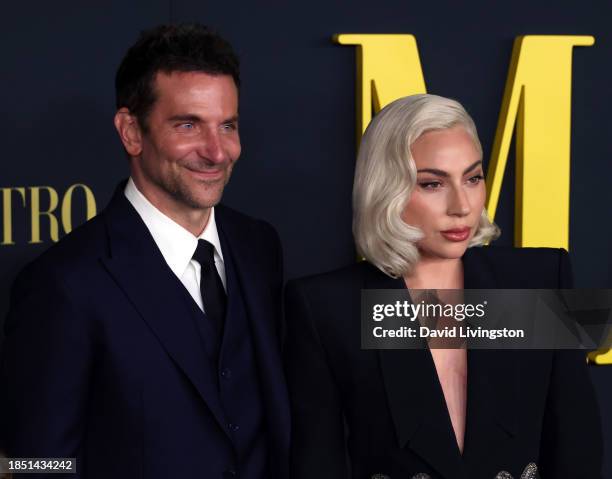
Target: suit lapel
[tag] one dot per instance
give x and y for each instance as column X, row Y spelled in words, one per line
column 417, row 402
column 140, row 270
column 492, row 378
column 415, row 398
column 261, row 306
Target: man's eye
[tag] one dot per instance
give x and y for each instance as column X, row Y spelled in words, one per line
column 229, row 126
column 186, row 126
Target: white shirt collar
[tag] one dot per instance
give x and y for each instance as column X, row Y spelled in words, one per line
column 176, row 244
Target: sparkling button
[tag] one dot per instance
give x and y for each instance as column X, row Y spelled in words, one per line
column 226, row 373
column 234, row 427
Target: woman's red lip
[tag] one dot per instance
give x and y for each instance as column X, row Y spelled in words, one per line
column 460, row 234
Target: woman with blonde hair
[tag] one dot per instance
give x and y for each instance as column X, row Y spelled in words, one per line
column 420, row 223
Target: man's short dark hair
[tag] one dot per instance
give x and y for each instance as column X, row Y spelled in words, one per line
column 188, row 47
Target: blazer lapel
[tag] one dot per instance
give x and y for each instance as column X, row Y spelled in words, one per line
column 415, row 398
column 493, row 378
column 140, row 270
column 261, row 307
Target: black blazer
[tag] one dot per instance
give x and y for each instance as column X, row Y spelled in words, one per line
column 103, row 362
column 385, row 408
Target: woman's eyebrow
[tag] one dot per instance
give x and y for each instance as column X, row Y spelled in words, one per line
column 434, row 171
column 444, row 174
column 472, row 166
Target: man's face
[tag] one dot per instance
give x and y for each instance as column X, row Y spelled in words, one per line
column 449, row 195
column 191, row 144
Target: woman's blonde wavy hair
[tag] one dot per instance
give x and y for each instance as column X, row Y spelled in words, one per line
column 385, row 176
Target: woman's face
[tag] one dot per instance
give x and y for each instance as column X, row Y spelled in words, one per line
column 449, row 195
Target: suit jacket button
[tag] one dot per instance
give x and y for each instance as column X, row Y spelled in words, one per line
column 226, row 373
column 230, row 474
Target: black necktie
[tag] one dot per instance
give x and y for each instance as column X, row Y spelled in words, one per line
column 211, row 287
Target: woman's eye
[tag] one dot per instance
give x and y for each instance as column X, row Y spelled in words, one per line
column 476, row 179
column 430, row 185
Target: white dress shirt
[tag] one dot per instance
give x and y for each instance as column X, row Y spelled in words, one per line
column 176, row 244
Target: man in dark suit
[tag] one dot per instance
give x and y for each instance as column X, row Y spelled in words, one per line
column 146, row 343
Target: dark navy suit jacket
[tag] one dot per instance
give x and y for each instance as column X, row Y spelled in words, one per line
column 102, row 360
column 385, row 410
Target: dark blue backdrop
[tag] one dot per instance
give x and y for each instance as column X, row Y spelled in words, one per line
column 297, row 111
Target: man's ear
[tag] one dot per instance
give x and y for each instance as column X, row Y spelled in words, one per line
column 129, row 131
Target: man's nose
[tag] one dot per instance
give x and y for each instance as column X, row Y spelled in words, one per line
column 211, row 147
column 459, row 204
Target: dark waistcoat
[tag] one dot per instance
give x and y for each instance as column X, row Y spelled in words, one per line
column 236, row 371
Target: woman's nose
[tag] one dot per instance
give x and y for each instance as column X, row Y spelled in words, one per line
column 459, row 204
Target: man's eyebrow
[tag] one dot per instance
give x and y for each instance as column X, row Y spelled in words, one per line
column 444, row 174
column 195, row 118
column 186, row 117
